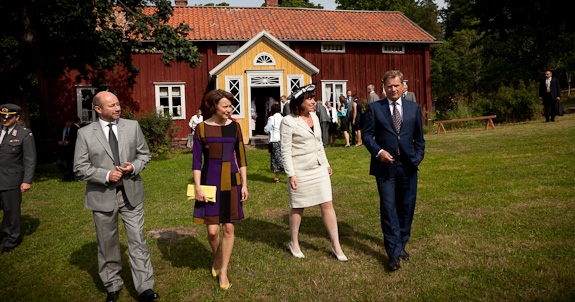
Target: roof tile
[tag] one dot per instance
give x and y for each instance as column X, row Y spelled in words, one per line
column 243, row 23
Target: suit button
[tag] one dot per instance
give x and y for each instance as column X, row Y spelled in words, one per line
column 398, row 137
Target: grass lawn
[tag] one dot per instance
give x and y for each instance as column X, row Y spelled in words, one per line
column 495, row 221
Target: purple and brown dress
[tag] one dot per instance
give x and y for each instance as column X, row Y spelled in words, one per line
column 222, row 150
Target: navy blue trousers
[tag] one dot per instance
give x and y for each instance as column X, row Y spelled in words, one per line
column 397, row 196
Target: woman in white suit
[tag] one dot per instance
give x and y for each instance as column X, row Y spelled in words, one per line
column 307, row 169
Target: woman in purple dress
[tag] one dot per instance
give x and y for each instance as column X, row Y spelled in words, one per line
column 219, row 141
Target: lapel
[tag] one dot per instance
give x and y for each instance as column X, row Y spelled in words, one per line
column 300, row 122
column 121, row 139
column 408, row 115
column 101, row 138
column 387, row 114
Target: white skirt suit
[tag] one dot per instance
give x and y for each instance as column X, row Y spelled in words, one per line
column 303, row 156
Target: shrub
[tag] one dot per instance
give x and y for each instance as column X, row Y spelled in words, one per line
column 158, row 129
column 511, row 104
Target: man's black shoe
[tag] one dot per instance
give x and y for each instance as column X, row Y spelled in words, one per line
column 404, row 255
column 7, row 250
column 148, row 295
column 393, row 264
column 112, row 296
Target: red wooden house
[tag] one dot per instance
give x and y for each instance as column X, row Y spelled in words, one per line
column 259, row 52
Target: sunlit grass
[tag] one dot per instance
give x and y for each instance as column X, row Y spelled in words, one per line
column 494, row 222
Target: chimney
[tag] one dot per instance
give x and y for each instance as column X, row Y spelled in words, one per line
column 271, row 3
column 181, row 2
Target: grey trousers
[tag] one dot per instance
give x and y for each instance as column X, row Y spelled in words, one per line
column 109, row 254
column 11, row 200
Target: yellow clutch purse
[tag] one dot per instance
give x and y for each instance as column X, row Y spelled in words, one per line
column 209, row 190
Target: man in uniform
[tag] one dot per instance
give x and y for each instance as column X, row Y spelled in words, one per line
column 18, row 161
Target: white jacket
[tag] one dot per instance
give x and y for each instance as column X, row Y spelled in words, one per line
column 273, row 127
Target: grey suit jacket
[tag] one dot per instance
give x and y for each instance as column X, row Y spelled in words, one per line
column 17, row 158
column 410, row 96
column 93, row 159
column 373, row 97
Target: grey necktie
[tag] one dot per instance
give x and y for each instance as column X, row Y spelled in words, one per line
column 114, row 145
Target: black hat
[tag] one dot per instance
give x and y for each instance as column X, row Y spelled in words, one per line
column 7, row 110
column 298, row 92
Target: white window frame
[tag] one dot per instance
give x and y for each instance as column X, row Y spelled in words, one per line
column 289, row 79
column 333, row 47
column 87, row 115
column 239, row 97
column 271, row 62
column 182, row 86
column 393, row 48
column 226, row 53
column 333, row 83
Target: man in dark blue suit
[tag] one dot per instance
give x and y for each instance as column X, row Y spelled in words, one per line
column 393, row 134
column 550, row 94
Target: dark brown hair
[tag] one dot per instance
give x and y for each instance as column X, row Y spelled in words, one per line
column 276, row 108
column 212, row 98
column 295, row 105
column 392, row 74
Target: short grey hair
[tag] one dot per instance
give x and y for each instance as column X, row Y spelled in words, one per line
column 371, row 86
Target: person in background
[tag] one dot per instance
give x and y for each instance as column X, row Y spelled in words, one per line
column 408, row 95
column 194, row 121
column 65, row 149
column 307, row 169
column 393, row 134
column 283, row 103
column 344, row 122
column 254, row 116
column 356, row 123
column 549, row 94
column 332, row 128
column 218, row 140
column 18, row 162
column 321, row 112
column 110, row 155
column 272, row 128
column 371, row 95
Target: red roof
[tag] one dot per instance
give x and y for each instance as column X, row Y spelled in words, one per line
column 243, row 23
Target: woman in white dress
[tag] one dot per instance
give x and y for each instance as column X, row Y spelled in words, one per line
column 307, row 169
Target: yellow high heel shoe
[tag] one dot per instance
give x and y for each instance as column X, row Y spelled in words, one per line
column 225, row 287
column 215, row 272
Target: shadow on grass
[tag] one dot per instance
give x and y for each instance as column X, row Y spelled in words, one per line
column 86, row 259
column 185, row 251
column 312, row 229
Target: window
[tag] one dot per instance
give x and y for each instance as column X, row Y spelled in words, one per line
column 234, row 85
column 294, row 81
column 338, row 47
column 170, row 99
column 264, row 59
column 392, row 48
column 84, row 96
column 227, row 48
column 332, row 90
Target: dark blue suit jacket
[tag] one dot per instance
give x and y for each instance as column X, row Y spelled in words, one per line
column 379, row 133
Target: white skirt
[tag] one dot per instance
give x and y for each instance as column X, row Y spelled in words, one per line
column 313, row 188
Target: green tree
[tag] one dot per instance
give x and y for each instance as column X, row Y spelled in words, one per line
column 297, row 3
column 52, row 36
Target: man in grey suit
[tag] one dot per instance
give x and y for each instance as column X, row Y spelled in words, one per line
column 408, row 95
column 109, row 155
column 371, row 95
column 323, row 116
column 18, row 162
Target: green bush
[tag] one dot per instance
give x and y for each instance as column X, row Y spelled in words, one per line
column 511, row 104
column 158, row 129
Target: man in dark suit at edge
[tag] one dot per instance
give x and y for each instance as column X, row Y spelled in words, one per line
column 550, row 94
column 393, row 134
